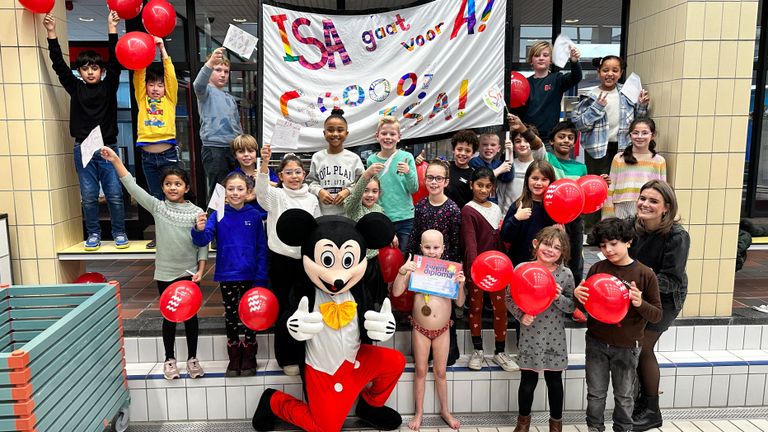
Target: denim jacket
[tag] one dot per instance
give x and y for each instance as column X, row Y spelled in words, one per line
column 590, row 118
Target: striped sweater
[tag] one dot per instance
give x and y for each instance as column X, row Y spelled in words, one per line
column 626, row 180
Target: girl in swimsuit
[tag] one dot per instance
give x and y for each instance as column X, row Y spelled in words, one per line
column 431, row 319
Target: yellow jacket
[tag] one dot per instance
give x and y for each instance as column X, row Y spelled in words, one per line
column 157, row 118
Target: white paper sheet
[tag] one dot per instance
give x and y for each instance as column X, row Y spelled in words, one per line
column 494, row 98
column 561, row 51
column 285, row 135
column 240, row 42
column 632, row 87
column 90, row 145
column 217, row 201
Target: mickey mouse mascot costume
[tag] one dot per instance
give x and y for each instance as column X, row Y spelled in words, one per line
column 333, row 316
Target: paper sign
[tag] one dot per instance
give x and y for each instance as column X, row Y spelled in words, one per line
column 217, row 201
column 632, row 88
column 435, row 277
column 240, row 42
column 494, row 98
column 285, row 135
column 561, row 51
column 91, row 145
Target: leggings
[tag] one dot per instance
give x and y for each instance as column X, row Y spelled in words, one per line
column 284, row 274
column 648, row 366
column 231, row 293
column 528, row 381
column 169, row 327
column 476, row 313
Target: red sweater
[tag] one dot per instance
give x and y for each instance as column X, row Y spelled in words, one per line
column 477, row 236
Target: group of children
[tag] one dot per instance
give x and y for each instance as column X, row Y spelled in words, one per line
column 474, row 204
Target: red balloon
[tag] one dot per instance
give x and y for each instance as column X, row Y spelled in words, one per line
column 38, row 6
column 159, row 18
column 126, row 9
column 91, row 277
column 135, row 50
column 608, row 300
column 421, row 173
column 390, row 261
column 519, row 89
column 595, row 190
column 533, row 288
column 404, row 303
column 258, row 309
column 180, row 301
column 492, row 271
column 564, row 201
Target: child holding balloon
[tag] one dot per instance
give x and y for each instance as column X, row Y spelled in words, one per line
column 93, row 103
column 635, row 166
column 543, row 105
column 285, row 267
column 397, row 176
column 543, row 346
column 431, row 319
column 612, row 350
column 527, row 216
column 480, row 223
column 241, row 263
column 177, row 257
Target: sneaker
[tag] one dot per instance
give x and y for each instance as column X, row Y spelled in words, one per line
column 506, row 363
column 291, row 370
column 93, row 243
column 151, row 244
column 121, row 241
column 476, row 361
column 194, row 369
column 170, row 371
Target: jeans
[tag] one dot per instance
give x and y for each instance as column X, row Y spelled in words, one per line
column 217, row 163
column 99, row 172
column 606, row 363
column 154, row 164
column 403, row 230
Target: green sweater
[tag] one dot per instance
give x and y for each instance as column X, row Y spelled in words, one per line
column 397, row 188
column 355, row 210
column 173, row 224
column 567, row 168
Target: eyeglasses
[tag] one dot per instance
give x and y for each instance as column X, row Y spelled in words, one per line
column 643, row 134
column 435, row 178
column 292, row 172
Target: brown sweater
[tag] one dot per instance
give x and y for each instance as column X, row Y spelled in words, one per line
column 477, row 236
column 629, row 332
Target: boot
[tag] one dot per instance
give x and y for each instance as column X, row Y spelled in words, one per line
column 640, row 404
column 555, row 425
column 523, row 423
column 264, row 418
column 381, row 418
column 234, row 351
column 650, row 417
column 248, row 360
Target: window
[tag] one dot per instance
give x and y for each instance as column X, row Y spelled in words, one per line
column 594, row 25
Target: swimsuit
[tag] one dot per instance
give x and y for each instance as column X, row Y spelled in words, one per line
column 430, row 334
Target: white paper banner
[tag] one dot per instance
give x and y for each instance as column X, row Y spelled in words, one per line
column 428, row 65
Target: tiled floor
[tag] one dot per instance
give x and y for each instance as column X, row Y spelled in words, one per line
column 140, row 292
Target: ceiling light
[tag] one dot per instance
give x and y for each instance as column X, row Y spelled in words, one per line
column 571, row 21
column 85, row 19
column 239, row 20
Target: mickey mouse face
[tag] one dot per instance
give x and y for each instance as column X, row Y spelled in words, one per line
column 335, row 269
